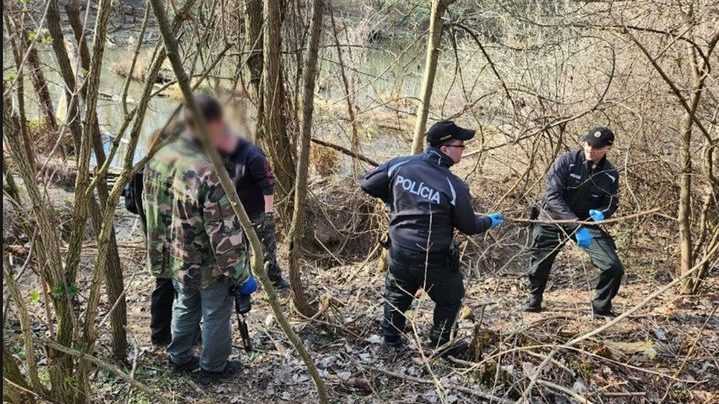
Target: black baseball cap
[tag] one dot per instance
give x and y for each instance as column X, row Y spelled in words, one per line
column 443, row 131
column 599, row 137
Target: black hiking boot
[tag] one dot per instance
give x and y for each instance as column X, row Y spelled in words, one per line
column 533, row 305
column 187, row 367
column 279, row 283
column 457, row 349
column 206, row 377
column 603, row 313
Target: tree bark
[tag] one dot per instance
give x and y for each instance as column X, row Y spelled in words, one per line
column 430, row 69
column 253, row 44
column 275, row 135
column 229, row 188
column 113, row 274
column 13, row 380
column 297, row 228
column 354, row 143
column 17, row 52
column 52, row 273
column 686, row 260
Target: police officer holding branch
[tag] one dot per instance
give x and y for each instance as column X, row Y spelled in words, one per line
column 427, row 202
column 581, row 185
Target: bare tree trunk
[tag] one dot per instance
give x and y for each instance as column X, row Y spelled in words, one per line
column 275, row 135
column 297, row 229
column 354, row 143
column 16, row 22
column 113, row 275
column 14, row 382
column 253, row 44
column 686, row 260
column 229, row 188
column 40, row 84
column 17, row 52
column 60, row 365
column 430, row 69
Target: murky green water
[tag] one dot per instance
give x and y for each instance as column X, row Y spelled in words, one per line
column 383, row 71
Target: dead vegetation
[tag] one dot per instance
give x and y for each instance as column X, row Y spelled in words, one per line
column 530, row 77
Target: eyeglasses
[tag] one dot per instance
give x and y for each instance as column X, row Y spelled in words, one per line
column 459, row 146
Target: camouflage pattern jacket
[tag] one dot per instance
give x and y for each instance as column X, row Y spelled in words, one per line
column 192, row 233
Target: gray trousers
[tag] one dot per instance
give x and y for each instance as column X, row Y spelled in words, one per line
column 213, row 306
column 548, row 240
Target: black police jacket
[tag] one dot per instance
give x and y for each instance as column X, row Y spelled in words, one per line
column 574, row 187
column 426, row 201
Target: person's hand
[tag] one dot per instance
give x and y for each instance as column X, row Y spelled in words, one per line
column 248, row 287
column 584, row 237
column 497, row 219
column 596, row 215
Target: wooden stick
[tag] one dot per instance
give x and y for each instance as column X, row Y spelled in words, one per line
column 345, row 151
column 586, row 222
column 564, row 390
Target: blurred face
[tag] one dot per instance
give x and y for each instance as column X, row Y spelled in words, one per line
column 453, row 149
column 220, row 136
column 595, row 154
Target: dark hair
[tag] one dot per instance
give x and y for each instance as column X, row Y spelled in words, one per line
column 209, row 107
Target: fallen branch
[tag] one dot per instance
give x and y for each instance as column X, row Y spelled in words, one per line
column 346, row 151
column 586, row 222
column 564, row 390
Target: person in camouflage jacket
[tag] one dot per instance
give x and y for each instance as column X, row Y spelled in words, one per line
column 194, row 237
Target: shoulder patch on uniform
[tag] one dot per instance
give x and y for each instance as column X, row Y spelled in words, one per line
column 396, row 166
column 454, row 193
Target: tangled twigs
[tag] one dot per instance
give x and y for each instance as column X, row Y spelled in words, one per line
column 473, row 392
column 707, row 257
column 110, row 368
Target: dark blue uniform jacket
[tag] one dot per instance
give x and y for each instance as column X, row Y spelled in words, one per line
column 574, row 186
column 427, row 202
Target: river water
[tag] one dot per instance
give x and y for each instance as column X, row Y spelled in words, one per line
column 376, row 72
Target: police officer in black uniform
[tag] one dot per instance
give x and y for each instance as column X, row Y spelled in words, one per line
column 581, row 185
column 427, row 202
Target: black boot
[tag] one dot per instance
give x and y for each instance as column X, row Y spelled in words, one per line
column 603, row 311
column 534, row 304
column 231, row 369
column 278, row 282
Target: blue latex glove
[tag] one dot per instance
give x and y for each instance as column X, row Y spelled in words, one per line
column 497, row 219
column 596, row 215
column 249, row 287
column 584, row 237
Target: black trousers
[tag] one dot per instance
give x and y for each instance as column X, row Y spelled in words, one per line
column 548, row 240
column 441, row 279
column 161, row 311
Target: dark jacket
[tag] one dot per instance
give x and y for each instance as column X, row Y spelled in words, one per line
column 426, row 201
column 250, row 171
column 573, row 187
column 133, row 196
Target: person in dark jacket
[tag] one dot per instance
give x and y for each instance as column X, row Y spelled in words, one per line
column 251, row 172
column 581, row 185
column 427, row 202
